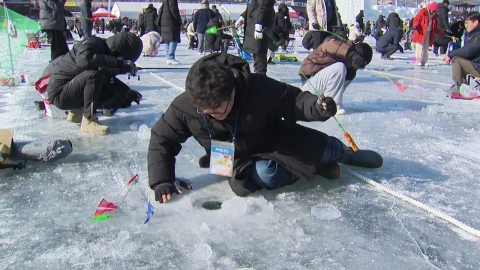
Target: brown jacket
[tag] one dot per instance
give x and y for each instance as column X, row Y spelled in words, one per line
column 331, row 51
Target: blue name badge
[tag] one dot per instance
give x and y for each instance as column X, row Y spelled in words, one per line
column 221, row 158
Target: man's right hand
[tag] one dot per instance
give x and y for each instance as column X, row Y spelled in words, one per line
column 164, row 191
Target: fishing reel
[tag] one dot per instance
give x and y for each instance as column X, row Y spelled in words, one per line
column 118, row 71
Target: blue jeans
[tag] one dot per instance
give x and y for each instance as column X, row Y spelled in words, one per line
column 170, row 47
column 269, row 174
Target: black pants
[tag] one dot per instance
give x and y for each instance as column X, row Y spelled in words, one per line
column 192, row 42
column 388, row 51
column 260, row 65
column 89, row 89
column 443, row 48
column 58, row 44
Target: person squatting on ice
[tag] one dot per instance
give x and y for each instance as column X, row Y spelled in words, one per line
column 332, row 66
column 389, row 43
column 77, row 84
column 251, row 119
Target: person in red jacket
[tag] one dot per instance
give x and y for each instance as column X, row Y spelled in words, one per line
column 424, row 29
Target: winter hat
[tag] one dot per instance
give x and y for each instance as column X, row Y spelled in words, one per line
column 125, row 44
column 364, row 50
column 205, row 2
column 433, row 6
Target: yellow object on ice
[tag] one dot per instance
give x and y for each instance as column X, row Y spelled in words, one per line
column 286, row 58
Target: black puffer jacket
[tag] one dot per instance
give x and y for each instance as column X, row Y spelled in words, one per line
column 52, row 15
column 359, row 19
column 391, row 37
column 170, row 21
column 380, row 21
column 150, row 18
column 443, row 17
column 201, row 18
column 394, row 21
column 282, row 19
column 471, row 48
column 86, row 13
column 92, row 53
column 260, row 103
column 258, row 12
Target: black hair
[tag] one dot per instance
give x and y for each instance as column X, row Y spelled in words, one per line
column 364, row 50
column 209, row 85
column 473, row 16
column 446, row 2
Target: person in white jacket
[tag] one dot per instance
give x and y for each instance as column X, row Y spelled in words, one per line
column 192, row 37
column 151, row 43
column 355, row 35
column 322, row 15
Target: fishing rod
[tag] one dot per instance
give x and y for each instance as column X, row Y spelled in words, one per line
column 134, row 72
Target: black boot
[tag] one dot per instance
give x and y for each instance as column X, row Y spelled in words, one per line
column 361, row 158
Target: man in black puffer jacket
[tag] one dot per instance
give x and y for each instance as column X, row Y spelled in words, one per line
column 150, row 19
column 227, row 109
column 81, row 78
column 389, row 43
column 394, row 21
column 466, row 59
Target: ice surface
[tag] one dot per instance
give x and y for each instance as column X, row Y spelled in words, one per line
column 430, row 144
column 325, row 212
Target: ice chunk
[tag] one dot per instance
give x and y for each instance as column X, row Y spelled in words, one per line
column 144, row 132
column 123, row 236
column 235, row 207
column 430, row 110
column 325, row 212
column 203, row 252
column 134, row 126
column 205, row 227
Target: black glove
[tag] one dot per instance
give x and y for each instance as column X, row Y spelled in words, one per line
column 357, row 60
column 316, row 26
column 330, row 104
column 204, row 162
column 130, row 67
column 14, row 166
column 165, row 188
column 134, row 95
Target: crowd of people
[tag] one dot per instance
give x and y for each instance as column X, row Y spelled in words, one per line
column 223, row 97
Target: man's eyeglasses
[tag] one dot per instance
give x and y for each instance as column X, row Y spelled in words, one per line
column 214, row 112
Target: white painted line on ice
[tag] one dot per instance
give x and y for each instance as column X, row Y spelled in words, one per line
column 167, row 82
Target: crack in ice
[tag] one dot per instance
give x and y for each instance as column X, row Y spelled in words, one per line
column 409, row 234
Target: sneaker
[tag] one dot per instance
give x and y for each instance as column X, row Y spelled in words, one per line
column 340, row 110
column 453, row 89
column 172, row 62
column 419, row 64
column 387, row 58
